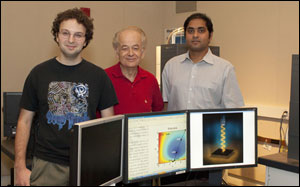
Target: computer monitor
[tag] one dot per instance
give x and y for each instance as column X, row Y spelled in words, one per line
column 11, row 110
column 223, row 138
column 96, row 153
column 155, row 145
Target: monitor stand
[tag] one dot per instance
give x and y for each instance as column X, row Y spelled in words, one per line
column 215, row 177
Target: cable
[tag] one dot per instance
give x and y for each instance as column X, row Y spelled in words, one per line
column 284, row 115
column 224, row 183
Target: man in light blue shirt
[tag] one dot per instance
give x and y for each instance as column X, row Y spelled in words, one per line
column 198, row 79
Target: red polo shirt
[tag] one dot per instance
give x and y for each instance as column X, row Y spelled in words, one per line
column 142, row 95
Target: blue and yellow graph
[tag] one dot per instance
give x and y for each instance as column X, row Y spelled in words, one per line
column 172, row 146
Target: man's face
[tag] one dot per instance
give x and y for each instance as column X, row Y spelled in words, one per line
column 71, row 38
column 130, row 50
column 197, row 35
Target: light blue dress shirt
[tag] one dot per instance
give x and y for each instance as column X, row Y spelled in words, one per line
column 208, row 84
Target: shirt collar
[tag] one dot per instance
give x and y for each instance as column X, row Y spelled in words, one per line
column 208, row 58
column 118, row 73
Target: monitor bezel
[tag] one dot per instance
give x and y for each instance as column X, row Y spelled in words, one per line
column 75, row 173
column 125, row 172
column 228, row 110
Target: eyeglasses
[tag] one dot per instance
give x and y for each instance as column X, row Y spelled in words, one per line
column 77, row 35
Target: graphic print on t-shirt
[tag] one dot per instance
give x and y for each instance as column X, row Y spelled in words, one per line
column 67, row 103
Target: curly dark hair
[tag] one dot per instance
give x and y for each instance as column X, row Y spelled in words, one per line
column 81, row 18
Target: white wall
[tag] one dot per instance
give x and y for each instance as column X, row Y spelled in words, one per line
column 258, row 38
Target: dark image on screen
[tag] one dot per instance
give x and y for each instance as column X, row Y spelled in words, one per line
column 222, row 138
column 155, row 145
column 11, row 110
column 99, row 152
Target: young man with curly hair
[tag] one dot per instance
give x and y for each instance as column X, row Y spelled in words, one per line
column 62, row 91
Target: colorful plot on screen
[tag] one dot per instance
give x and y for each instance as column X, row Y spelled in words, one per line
column 172, row 146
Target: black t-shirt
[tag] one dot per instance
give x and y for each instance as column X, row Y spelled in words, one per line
column 62, row 96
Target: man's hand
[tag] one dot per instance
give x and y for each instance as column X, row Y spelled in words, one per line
column 22, row 177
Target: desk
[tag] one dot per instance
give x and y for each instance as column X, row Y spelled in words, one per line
column 193, row 182
column 193, row 178
column 8, row 148
column 280, row 170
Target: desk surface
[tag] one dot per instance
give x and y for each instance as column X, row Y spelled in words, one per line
column 8, row 148
column 280, row 161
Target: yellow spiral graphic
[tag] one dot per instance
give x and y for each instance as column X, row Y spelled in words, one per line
column 223, row 137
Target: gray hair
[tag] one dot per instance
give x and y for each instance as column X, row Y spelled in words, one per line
column 116, row 41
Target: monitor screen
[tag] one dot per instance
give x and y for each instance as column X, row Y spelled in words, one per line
column 96, row 154
column 223, row 138
column 155, row 145
column 11, row 110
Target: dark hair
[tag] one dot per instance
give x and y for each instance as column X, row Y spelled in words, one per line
column 81, row 18
column 208, row 21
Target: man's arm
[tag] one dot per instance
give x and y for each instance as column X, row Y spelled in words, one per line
column 21, row 141
column 107, row 112
column 232, row 96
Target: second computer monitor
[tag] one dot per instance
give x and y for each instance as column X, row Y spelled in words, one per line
column 155, row 145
